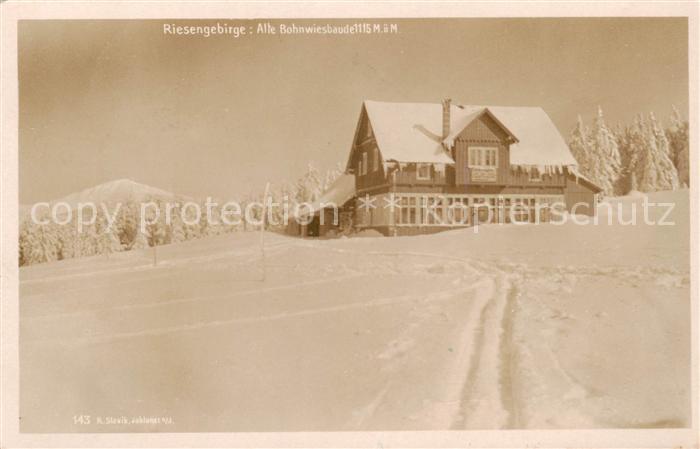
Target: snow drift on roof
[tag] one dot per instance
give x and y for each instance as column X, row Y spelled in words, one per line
column 411, row 132
column 539, row 140
column 339, row 192
column 408, row 132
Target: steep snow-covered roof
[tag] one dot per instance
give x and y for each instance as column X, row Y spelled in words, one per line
column 408, row 132
column 539, row 141
column 339, row 192
column 411, row 132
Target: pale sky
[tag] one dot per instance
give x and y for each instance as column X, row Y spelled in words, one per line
column 102, row 100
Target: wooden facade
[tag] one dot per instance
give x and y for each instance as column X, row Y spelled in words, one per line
column 456, row 178
column 478, row 185
column 324, row 222
column 580, row 196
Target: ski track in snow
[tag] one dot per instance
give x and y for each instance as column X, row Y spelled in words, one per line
column 392, row 300
column 477, row 399
column 483, row 403
column 197, row 299
column 481, row 392
column 486, row 399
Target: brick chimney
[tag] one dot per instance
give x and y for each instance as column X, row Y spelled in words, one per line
column 446, row 117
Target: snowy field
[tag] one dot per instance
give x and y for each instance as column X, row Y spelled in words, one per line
column 536, row 326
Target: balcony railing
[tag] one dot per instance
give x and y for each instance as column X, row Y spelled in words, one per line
column 409, row 177
column 523, row 179
column 508, row 177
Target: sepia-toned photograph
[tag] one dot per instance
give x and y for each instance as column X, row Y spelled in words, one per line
column 354, row 224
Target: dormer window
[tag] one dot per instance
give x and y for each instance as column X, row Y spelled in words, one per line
column 423, row 171
column 363, row 170
column 483, row 157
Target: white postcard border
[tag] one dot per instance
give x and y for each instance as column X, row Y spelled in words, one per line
column 11, row 12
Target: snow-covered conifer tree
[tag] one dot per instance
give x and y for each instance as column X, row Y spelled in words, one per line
column 47, row 248
column 284, row 197
column 206, row 228
column 597, row 153
column 101, row 240
column 309, row 186
column 191, row 226
column 651, row 168
column 153, row 223
column 107, row 238
column 604, row 164
column 332, row 175
column 177, row 227
column 28, row 243
column 23, row 242
column 86, row 239
column 668, row 174
column 622, row 136
column 115, row 244
column 141, row 240
column 36, row 249
column 579, row 145
column 679, row 143
column 65, row 234
column 128, row 223
column 683, row 165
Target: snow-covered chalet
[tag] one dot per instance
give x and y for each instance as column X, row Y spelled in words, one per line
column 424, row 167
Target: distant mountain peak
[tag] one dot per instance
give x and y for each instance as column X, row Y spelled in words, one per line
column 118, row 190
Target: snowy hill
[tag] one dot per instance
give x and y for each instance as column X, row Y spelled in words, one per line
column 526, row 327
column 112, row 192
column 120, row 190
